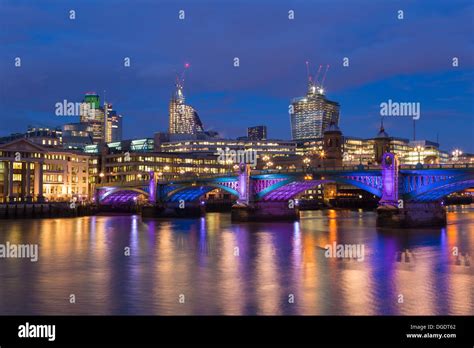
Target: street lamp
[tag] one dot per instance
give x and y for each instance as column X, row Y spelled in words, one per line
column 419, row 149
column 322, row 156
column 456, row 153
column 101, row 177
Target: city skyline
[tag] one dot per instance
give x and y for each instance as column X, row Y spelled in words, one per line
column 382, row 66
column 175, row 163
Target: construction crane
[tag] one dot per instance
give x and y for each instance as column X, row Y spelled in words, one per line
column 313, row 82
column 308, row 74
column 324, row 76
column 316, row 79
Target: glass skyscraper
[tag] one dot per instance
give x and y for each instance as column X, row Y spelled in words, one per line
column 92, row 113
column 183, row 119
column 311, row 115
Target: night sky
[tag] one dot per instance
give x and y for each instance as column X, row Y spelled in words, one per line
column 407, row 60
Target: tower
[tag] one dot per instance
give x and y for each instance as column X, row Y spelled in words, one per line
column 381, row 143
column 332, row 145
column 183, row 119
column 311, row 115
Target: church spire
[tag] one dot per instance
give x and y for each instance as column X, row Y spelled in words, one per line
column 382, row 133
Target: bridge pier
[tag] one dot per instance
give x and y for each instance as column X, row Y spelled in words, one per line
column 174, row 210
column 264, row 211
column 413, row 214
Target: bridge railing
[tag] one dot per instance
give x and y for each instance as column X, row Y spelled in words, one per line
column 321, row 169
column 438, row 166
column 124, row 183
column 188, row 177
column 309, row 170
column 183, row 177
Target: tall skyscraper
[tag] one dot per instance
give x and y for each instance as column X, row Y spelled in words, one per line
column 183, row 119
column 114, row 125
column 93, row 114
column 311, row 115
column 257, row 133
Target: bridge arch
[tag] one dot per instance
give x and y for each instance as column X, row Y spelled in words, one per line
column 290, row 188
column 437, row 190
column 121, row 195
column 190, row 193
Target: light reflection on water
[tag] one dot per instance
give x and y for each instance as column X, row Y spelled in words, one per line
column 232, row 269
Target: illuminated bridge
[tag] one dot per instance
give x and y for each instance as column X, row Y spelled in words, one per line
column 402, row 190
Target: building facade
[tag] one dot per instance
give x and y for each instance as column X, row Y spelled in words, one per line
column 183, row 119
column 76, row 136
column 95, row 115
column 66, row 176
column 311, row 115
column 369, row 151
column 21, row 171
column 257, row 133
column 33, row 173
column 262, row 147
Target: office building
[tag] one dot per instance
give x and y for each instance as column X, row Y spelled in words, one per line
column 257, row 133
column 183, row 119
column 93, row 114
column 45, row 136
column 311, row 115
column 30, row 172
column 77, row 135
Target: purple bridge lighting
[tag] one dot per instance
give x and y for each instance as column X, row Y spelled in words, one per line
column 390, row 182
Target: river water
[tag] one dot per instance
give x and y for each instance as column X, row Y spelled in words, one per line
column 208, row 266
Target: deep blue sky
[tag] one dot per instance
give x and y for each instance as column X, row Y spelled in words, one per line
column 403, row 60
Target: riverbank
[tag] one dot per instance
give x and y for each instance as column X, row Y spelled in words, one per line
column 45, row 210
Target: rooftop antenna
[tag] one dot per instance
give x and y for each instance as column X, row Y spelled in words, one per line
column 183, row 74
